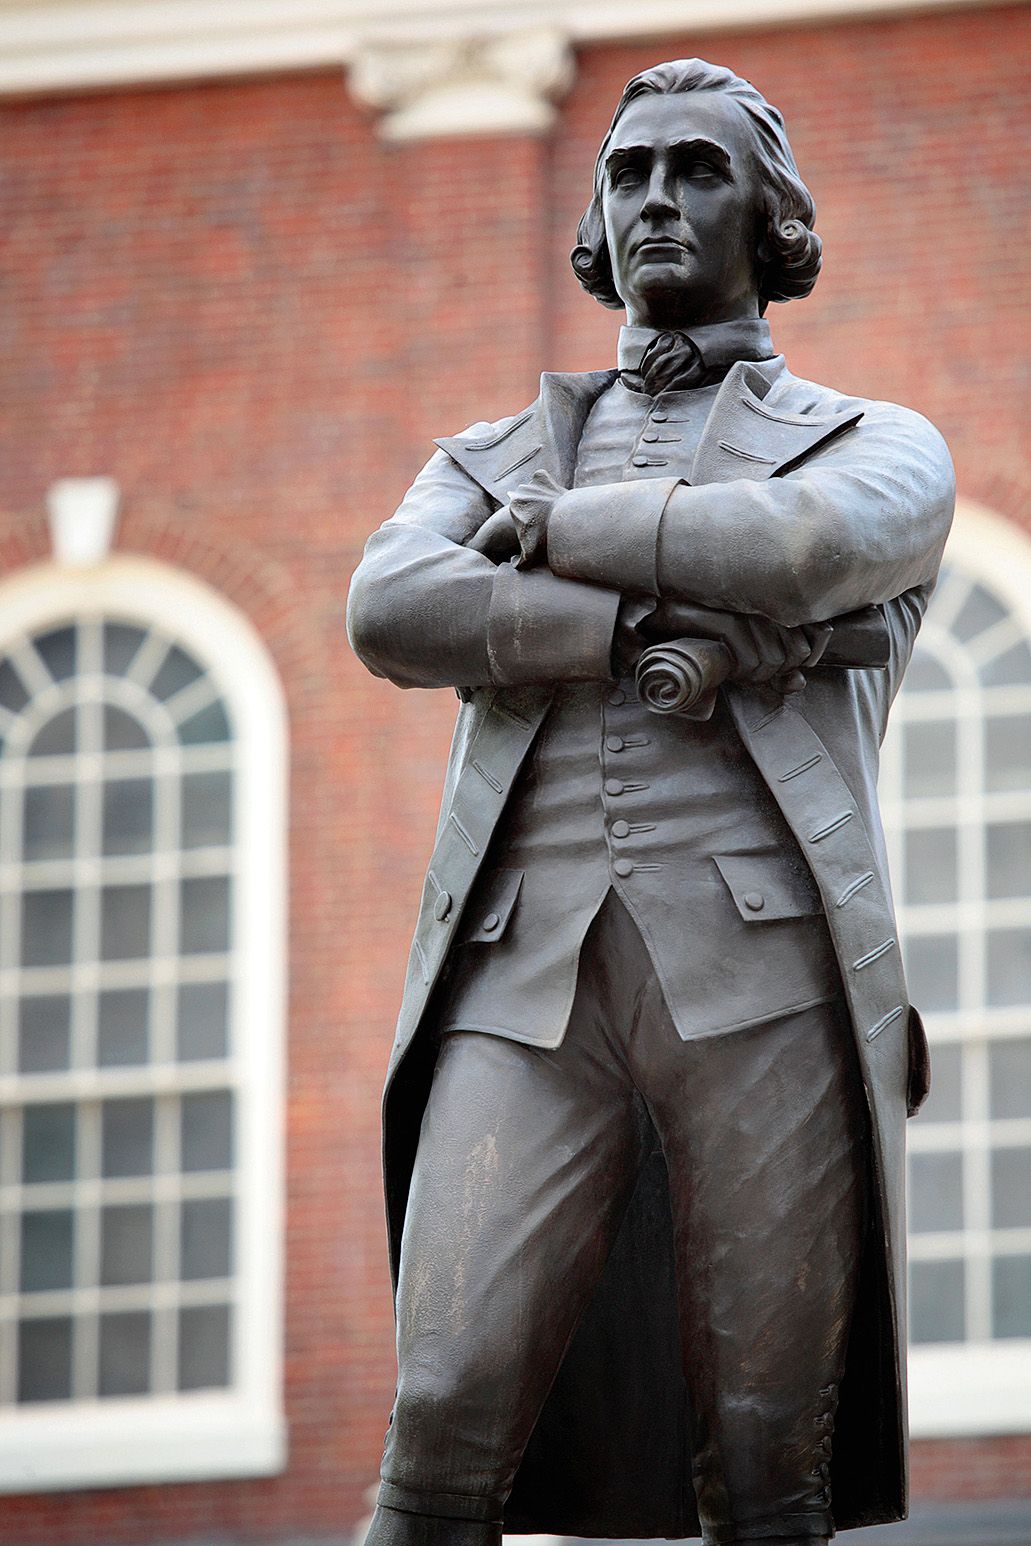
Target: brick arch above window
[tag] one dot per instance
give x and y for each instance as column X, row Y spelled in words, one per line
column 142, row 945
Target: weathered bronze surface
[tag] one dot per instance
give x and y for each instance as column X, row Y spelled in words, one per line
column 645, row 1113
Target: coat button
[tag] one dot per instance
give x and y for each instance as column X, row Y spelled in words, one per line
column 614, row 743
column 490, row 923
column 616, row 697
column 442, row 906
column 620, row 829
column 641, row 461
column 659, row 417
column 623, row 868
column 754, row 901
column 613, row 786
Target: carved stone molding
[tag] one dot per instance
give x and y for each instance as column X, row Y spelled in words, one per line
column 503, row 84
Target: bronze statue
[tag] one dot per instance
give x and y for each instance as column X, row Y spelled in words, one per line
column 644, row 1122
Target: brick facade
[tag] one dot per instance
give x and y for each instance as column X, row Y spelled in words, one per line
column 238, row 302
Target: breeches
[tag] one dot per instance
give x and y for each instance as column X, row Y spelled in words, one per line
column 527, row 1161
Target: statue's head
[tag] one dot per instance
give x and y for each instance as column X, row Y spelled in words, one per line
column 699, row 213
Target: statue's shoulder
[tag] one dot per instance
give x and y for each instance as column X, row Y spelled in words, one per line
column 797, row 395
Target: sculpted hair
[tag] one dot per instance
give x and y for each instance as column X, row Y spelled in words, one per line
column 789, row 249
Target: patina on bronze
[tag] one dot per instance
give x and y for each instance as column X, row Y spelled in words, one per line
column 644, row 1121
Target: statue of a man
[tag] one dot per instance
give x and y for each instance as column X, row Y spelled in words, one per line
column 645, row 1117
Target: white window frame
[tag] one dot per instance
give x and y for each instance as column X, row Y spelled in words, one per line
column 975, row 1387
column 240, row 1432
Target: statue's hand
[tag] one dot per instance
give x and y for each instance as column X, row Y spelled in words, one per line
column 763, row 651
column 497, row 537
column 530, row 506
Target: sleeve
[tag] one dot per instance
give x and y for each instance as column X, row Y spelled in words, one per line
column 861, row 521
column 425, row 611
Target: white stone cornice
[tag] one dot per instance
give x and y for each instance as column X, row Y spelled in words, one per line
column 500, row 84
column 73, row 45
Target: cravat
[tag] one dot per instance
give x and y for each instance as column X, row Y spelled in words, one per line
column 672, row 362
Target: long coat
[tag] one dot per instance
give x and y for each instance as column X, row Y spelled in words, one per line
column 802, row 505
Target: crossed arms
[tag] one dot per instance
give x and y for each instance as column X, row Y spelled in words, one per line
column 863, row 520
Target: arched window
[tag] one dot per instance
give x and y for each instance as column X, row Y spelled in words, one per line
column 956, row 793
column 141, row 952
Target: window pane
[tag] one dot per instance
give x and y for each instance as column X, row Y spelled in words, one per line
column 1009, row 966
column 126, row 1236
column 124, row 922
column 931, row 864
column 930, row 757
column 207, row 1131
column 46, row 1250
column 1009, row 1064
column 46, row 928
column 122, row 1032
column 49, row 831
column 979, row 611
column 933, row 971
column 1009, row 861
column 203, row 1020
column 935, row 1192
column 57, row 737
column 176, row 672
column 123, row 733
column 924, row 674
column 205, row 914
column 204, row 1347
column 121, row 643
column 45, row 1359
column 207, row 1238
column 943, row 1103
column 44, row 1034
column 1011, row 668
column 205, row 809
column 57, row 651
column 1011, row 1284
column 936, row 1301
column 13, row 695
column 208, row 726
column 128, row 1137
column 1011, row 1188
column 1007, row 752
column 125, row 1354
column 48, row 1143
column 128, row 816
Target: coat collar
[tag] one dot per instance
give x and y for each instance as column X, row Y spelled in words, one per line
column 751, row 431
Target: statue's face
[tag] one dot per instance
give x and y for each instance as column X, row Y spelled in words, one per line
column 681, row 202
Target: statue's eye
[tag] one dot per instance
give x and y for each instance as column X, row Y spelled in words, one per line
column 698, row 171
column 626, row 177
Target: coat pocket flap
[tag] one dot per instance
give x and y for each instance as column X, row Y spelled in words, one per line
column 768, row 886
column 491, row 907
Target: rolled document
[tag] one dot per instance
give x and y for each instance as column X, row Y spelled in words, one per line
column 683, row 676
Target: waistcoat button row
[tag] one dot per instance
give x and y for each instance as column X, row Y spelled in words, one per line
column 616, row 697
column 614, row 743
column 659, row 418
column 623, row 868
column 620, row 829
column 614, row 786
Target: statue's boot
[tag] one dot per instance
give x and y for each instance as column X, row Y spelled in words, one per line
column 393, row 1527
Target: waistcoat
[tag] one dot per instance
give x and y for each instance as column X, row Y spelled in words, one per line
column 672, row 813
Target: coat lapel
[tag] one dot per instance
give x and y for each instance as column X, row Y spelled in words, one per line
column 745, row 436
column 545, row 436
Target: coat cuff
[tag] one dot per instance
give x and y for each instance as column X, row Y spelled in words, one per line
column 544, row 629
column 610, row 534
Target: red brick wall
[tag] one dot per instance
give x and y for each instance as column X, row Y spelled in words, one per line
column 238, row 302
